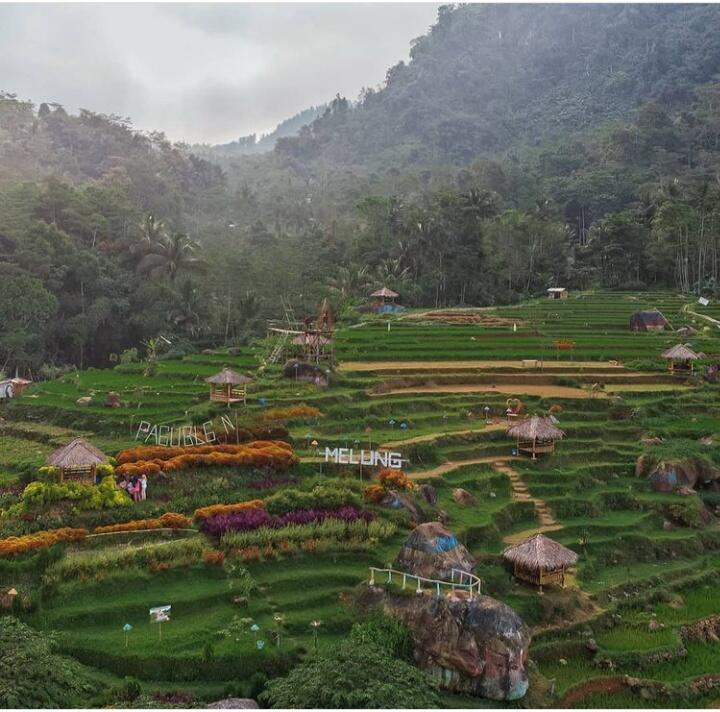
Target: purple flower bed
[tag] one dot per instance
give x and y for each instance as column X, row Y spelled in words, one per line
column 250, row 519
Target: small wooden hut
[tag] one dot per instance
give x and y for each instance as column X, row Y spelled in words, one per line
column 558, row 293
column 648, row 320
column 314, row 346
column 680, row 359
column 540, row 561
column 228, row 387
column 77, row 461
column 535, row 435
column 385, row 295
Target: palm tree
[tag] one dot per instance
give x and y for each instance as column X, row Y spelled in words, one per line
column 349, row 281
column 168, row 255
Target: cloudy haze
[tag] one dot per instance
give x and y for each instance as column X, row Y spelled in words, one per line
column 202, row 72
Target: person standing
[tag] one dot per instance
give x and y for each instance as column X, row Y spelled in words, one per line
column 143, row 487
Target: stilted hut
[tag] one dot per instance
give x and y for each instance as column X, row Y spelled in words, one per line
column 314, row 346
column 77, row 461
column 648, row 320
column 535, row 435
column 680, row 359
column 385, row 295
column 228, row 387
column 540, row 561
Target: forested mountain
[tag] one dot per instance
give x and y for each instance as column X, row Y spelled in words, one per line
column 252, row 144
column 522, row 147
column 488, row 77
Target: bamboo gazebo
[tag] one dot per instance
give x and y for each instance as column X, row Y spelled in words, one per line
column 540, row 561
column 77, row 461
column 535, row 435
column 385, row 295
column 680, row 359
column 228, row 387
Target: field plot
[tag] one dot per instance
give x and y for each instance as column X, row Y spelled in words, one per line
column 436, row 390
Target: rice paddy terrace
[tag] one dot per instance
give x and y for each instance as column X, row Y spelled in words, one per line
column 629, row 631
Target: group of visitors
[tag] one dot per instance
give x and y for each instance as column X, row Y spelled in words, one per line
column 136, row 487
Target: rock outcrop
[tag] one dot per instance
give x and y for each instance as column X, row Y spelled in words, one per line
column 670, row 475
column 476, row 646
column 432, row 551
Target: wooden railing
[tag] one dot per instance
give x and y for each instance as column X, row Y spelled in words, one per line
column 459, row 580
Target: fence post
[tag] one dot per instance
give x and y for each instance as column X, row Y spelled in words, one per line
column 418, row 580
column 372, row 576
column 404, row 580
column 389, row 576
column 438, row 589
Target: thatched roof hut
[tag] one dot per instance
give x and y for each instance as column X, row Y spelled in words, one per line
column 78, row 460
column 540, row 560
column 535, row 435
column 385, row 293
column 680, row 358
column 433, row 552
column 228, row 386
column 228, row 377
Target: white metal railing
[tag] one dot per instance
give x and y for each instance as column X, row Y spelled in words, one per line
column 459, row 579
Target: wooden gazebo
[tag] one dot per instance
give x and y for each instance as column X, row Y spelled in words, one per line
column 680, row 359
column 535, row 435
column 385, row 295
column 228, row 386
column 77, row 461
column 540, row 561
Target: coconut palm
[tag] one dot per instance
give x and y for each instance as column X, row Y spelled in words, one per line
column 169, row 255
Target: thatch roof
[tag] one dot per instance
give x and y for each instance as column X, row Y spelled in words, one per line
column 77, row 453
column 535, row 428
column 228, row 377
column 681, row 352
column 309, row 339
column 539, row 552
column 385, row 292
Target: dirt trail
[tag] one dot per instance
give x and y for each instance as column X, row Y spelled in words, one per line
column 453, row 365
column 545, row 516
column 447, row 433
column 511, row 388
column 451, row 465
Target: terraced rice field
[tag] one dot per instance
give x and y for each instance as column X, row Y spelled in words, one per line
column 422, row 388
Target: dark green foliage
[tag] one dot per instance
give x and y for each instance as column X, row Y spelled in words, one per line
column 31, row 674
column 352, row 675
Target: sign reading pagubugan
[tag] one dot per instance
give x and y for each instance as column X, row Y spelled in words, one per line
column 370, row 458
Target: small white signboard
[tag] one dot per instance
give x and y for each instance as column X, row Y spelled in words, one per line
column 703, row 301
column 160, row 614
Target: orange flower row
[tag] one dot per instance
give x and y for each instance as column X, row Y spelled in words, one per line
column 394, row 479
column 215, row 509
column 138, row 454
column 374, row 493
column 14, row 545
column 293, row 411
column 169, row 520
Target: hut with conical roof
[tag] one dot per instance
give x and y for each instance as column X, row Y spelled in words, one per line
column 77, row 461
column 535, row 435
column 540, row 560
column 680, row 359
column 433, row 552
column 228, row 387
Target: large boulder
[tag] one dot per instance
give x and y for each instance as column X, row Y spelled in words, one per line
column 431, row 551
column 671, row 475
column 308, row 372
column 472, row 645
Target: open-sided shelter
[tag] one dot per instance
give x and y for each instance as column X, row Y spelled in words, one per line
column 228, row 386
column 648, row 320
column 558, row 293
column 535, row 435
column 540, row 560
column 77, row 461
column 385, row 295
column 680, row 358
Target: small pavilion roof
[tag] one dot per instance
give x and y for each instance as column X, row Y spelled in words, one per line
column 77, row 453
column 228, row 377
column 681, row 352
column 540, row 553
column 536, row 428
column 310, row 339
column 557, row 289
column 385, row 292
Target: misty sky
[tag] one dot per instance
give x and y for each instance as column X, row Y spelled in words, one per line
column 202, row 72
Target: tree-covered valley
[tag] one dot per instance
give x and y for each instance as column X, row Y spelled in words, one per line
column 521, row 147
